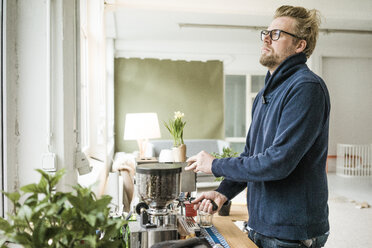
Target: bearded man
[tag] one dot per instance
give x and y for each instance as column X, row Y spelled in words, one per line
column 284, row 160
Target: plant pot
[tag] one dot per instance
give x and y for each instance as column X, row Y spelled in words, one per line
column 179, row 153
column 225, row 209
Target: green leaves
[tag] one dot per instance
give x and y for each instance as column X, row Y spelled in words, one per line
column 4, row 225
column 14, row 197
column 25, row 212
column 175, row 128
column 46, row 183
column 227, row 152
column 32, row 188
column 47, row 218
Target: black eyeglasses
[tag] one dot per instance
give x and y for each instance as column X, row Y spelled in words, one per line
column 275, row 34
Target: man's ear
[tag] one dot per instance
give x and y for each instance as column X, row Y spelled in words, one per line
column 301, row 45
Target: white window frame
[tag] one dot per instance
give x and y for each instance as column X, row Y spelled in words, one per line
column 84, row 87
column 93, row 99
column 248, row 102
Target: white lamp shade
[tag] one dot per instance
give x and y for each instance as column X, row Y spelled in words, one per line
column 141, row 126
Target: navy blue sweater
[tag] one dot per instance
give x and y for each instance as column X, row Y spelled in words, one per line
column 283, row 163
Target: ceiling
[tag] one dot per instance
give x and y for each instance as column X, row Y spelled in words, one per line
column 154, row 25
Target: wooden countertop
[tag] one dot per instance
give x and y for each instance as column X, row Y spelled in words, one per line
column 235, row 237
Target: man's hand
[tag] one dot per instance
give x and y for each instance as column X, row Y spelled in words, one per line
column 200, row 162
column 203, row 202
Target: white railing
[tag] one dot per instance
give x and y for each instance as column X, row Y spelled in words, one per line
column 354, row 160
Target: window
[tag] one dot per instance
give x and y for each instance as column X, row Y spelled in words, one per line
column 84, row 90
column 240, row 91
column 93, row 103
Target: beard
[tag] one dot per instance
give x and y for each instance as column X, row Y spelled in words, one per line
column 274, row 59
column 270, row 61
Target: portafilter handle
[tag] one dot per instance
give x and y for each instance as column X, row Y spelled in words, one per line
column 214, row 205
column 214, row 208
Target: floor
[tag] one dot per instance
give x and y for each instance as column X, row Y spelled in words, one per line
column 351, row 225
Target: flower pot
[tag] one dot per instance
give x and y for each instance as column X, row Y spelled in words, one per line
column 179, row 153
column 225, row 209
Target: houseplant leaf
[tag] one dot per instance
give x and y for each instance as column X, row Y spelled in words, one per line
column 14, row 196
column 4, row 225
column 59, row 219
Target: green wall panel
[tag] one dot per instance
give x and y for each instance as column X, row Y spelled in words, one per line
column 165, row 86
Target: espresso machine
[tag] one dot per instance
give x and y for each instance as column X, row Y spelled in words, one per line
column 158, row 187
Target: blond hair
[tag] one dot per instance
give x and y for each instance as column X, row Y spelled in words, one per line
column 306, row 26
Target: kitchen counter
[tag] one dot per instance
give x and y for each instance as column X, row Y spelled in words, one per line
column 232, row 234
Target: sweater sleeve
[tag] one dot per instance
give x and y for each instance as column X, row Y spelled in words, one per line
column 230, row 189
column 303, row 116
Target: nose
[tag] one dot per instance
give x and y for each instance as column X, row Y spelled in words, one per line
column 267, row 39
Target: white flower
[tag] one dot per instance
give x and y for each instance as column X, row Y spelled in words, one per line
column 178, row 114
column 175, row 127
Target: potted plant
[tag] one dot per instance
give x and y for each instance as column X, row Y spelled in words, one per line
column 175, row 128
column 226, row 153
column 46, row 218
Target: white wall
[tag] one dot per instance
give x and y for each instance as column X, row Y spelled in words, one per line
column 349, row 79
column 25, row 90
column 25, row 138
column 10, row 105
column 343, row 49
column 30, row 98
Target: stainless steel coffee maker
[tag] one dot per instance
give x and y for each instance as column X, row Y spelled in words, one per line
column 158, row 185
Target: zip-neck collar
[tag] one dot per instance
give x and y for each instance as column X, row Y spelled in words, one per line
column 284, row 70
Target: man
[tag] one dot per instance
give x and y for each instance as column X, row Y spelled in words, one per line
column 283, row 163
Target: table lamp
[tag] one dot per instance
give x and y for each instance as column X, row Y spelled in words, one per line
column 141, row 127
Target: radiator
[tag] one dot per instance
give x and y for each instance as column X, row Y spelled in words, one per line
column 354, row 160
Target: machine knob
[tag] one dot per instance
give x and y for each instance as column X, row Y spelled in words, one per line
column 141, row 206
